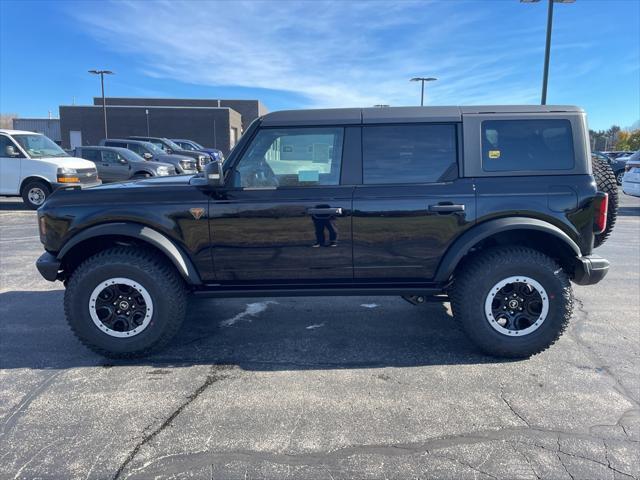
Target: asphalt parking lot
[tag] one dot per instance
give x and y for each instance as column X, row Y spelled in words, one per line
column 318, row 387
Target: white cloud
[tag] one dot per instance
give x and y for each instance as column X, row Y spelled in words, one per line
column 330, row 53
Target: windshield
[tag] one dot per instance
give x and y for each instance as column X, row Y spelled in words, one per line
column 197, row 145
column 153, row 147
column 172, row 145
column 39, row 146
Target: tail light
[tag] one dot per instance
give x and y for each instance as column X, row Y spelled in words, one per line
column 601, row 207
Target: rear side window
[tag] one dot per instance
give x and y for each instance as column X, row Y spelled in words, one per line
column 408, row 154
column 513, row 145
column 115, row 144
column 90, row 154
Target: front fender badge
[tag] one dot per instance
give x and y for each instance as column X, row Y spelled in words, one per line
column 197, row 212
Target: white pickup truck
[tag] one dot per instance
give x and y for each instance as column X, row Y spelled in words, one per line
column 32, row 166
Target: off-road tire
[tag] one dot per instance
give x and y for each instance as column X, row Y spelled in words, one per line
column 606, row 182
column 474, row 280
column 33, row 184
column 156, row 274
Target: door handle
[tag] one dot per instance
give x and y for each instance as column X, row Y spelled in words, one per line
column 446, row 208
column 325, row 211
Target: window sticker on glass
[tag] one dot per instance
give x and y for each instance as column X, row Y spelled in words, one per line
column 308, row 175
column 494, row 154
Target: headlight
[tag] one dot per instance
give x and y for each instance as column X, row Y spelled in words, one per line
column 162, row 171
column 187, row 164
column 67, row 175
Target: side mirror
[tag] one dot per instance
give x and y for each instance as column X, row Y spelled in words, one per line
column 11, row 151
column 214, row 174
column 122, row 161
column 168, row 150
column 147, row 156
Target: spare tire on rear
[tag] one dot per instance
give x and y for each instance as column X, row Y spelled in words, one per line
column 606, row 182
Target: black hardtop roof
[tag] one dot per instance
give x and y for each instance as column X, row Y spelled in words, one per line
column 350, row 116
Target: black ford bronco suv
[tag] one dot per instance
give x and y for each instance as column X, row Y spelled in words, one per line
column 494, row 209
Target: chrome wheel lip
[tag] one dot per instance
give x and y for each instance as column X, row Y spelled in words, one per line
column 36, row 195
column 121, row 281
column 516, row 279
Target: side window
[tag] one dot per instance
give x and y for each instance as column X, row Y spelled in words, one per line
column 6, row 142
column 408, row 153
column 135, row 147
column 109, row 157
column 512, row 145
column 115, row 144
column 90, row 154
column 292, row 157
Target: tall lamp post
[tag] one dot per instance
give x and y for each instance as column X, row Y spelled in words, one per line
column 547, row 48
column 422, row 79
column 102, row 73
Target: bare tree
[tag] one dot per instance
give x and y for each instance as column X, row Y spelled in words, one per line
column 6, row 120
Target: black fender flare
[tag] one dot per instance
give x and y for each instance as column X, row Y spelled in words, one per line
column 476, row 234
column 181, row 260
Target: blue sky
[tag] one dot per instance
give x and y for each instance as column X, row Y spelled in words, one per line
column 322, row 54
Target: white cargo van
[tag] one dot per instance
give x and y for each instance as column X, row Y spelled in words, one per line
column 32, row 166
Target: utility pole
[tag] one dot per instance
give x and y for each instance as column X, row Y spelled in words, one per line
column 102, row 73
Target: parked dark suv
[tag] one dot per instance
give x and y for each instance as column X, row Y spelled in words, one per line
column 182, row 164
column 170, row 147
column 117, row 164
column 186, row 144
column 493, row 209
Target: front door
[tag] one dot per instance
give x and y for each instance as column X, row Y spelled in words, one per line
column 411, row 205
column 112, row 163
column 9, row 168
column 286, row 218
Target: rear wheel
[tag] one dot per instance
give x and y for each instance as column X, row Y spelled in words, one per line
column 125, row 302
column 512, row 301
column 619, row 175
column 35, row 192
column 606, row 182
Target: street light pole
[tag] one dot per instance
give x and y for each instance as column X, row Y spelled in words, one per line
column 146, row 112
column 102, row 73
column 547, row 48
column 422, row 80
column 547, row 52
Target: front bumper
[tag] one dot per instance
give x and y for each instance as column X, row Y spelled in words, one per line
column 57, row 185
column 590, row 269
column 631, row 188
column 48, row 266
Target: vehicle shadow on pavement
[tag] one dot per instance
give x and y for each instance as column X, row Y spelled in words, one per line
column 253, row 334
column 14, row 206
column 629, row 211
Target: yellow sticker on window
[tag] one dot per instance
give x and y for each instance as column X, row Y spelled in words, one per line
column 494, row 154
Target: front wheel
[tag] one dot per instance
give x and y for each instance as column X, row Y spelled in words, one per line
column 512, row 301
column 125, row 302
column 34, row 193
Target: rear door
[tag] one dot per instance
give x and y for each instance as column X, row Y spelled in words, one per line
column 411, row 204
column 287, row 217
column 93, row 155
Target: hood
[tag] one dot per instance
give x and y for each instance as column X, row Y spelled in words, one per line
column 68, row 162
column 172, row 158
column 175, row 180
